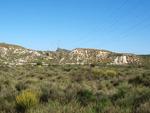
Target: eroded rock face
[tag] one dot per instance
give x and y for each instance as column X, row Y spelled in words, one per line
column 125, row 59
column 87, row 56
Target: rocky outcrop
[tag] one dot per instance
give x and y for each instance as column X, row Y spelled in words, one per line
column 124, row 59
column 87, row 56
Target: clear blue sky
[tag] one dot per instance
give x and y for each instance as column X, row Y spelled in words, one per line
column 117, row 25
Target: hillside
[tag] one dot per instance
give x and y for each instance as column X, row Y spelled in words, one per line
column 17, row 55
column 87, row 56
column 146, row 57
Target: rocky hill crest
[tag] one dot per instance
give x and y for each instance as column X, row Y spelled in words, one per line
column 17, row 55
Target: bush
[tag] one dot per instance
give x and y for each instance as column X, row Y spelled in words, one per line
column 20, row 68
column 20, row 86
column 7, row 82
column 40, row 68
column 7, row 102
column 26, row 100
column 0, row 86
column 111, row 73
column 143, row 79
column 120, row 94
column 85, row 97
column 39, row 63
column 69, row 68
column 85, row 67
column 45, row 95
column 92, row 65
column 140, row 100
column 97, row 71
column 101, row 105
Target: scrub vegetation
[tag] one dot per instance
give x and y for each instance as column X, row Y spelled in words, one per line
column 75, row 89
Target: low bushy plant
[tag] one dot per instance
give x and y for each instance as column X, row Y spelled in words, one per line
column 40, row 68
column 111, row 73
column 45, row 94
column 92, row 65
column 101, row 105
column 97, row 71
column 85, row 97
column 39, row 63
column 20, row 86
column 20, row 68
column 85, row 67
column 7, row 82
column 143, row 79
column 26, row 99
column 140, row 100
column 0, row 86
column 120, row 94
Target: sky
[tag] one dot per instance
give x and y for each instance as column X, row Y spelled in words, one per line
column 121, row 26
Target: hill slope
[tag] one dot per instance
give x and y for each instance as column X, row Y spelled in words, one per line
column 87, row 56
column 17, row 55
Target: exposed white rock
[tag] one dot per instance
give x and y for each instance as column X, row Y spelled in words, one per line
column 61, row 60
column 119, row 60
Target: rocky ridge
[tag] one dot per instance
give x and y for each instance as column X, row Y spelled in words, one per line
column 17, row 55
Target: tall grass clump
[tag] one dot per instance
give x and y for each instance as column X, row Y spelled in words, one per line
column 26, row 99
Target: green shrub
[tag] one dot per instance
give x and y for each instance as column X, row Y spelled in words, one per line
column 140, row 100
column 92, row 65
column 7, row 102
column 20, row 86
column 45, row 94
column 120, row 94
column 136, row 80
column 85, row 97
column 39, row 63
column 7, row 82
column 26, row 99
column 0, row 86
column 101, row 105
column 66, row 68
column 143, row 79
